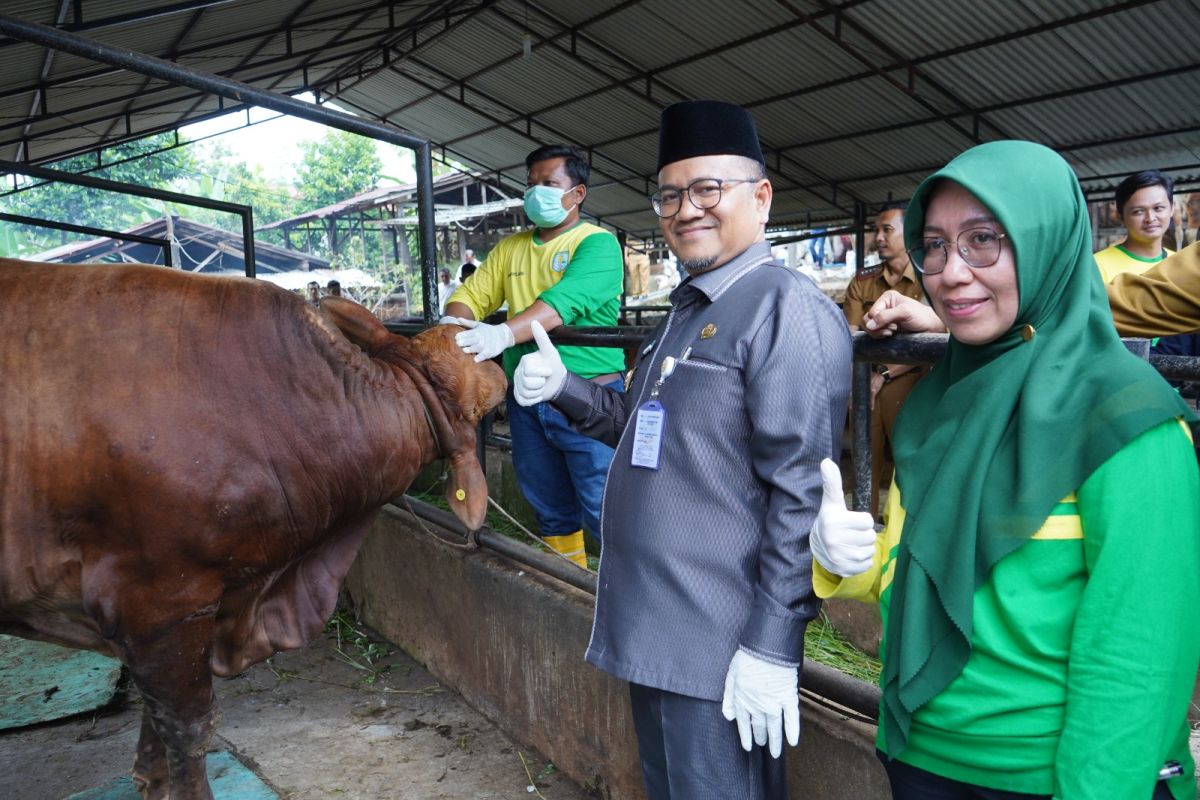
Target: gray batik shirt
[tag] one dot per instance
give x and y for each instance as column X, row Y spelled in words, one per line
column 710, row 551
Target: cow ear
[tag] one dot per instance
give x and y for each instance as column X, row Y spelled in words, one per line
column 467, row 489
column 484, row 391
column 474, row 389
column 357, row 323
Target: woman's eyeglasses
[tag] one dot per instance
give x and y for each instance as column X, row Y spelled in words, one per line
column 978, row 247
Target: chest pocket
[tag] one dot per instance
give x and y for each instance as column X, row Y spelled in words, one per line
column 707, row 384
column 712, row 352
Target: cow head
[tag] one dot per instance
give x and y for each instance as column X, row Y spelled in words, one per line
column 468, row 391
column 457, row 391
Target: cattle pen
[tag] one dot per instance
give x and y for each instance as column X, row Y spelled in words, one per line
column 500, row 625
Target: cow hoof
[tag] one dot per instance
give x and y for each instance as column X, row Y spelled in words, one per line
column 150, row 789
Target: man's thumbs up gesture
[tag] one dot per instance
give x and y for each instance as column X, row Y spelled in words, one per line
column 842, row 541
column 539, row 375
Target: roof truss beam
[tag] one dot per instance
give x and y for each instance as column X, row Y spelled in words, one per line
column 779, row 158
column 904, row 65
column 316, row 22
column 645, row 79
column 78, row 24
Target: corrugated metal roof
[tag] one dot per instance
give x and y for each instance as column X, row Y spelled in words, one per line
column 614, row 114
column 853, row 100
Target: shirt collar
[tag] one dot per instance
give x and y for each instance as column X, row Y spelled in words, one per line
column 712, row 284
column 909, row 274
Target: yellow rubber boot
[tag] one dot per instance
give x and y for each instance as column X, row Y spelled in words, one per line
column 569, row 545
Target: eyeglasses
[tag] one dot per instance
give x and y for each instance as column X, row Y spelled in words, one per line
column 979, row 247
column 703, row 193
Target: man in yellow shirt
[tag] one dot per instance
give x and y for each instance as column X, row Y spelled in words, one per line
column 1144, row 203
column 563, row 271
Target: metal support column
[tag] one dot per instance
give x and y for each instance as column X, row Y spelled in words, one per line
column 860, row 237
column 860, row 393
column 427, row 233
column 862, row 386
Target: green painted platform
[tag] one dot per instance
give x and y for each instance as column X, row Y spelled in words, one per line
column 41, row 682
column 230, row 780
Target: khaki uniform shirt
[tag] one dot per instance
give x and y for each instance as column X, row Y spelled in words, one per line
column 864, row 290
column 1163, row 300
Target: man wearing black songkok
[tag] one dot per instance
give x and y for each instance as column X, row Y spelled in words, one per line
column 705, row 585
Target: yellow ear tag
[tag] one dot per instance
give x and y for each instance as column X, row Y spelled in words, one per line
column 460, row 495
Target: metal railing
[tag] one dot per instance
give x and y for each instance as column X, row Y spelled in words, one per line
column 922, row 349
column 244, row 93
column 244, row 212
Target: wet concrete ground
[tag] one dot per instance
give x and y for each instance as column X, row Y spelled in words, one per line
column 311, row 725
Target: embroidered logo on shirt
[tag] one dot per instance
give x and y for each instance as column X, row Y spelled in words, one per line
column 708, row 331
column 559, row 262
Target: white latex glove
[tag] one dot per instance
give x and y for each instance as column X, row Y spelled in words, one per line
column 842, row 541
column 538, row 375
column 764, row 699
column 449, row 320
column 485, row 341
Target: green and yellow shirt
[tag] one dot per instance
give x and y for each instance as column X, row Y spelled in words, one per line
column 578, row 273
column 1116, row 260
column 1086, row 639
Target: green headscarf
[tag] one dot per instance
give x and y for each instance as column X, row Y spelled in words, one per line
column 996, row 434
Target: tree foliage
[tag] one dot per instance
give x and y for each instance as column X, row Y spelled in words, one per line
column 221, row 176
column 336, row 167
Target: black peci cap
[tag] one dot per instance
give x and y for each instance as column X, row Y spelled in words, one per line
column 706, row 128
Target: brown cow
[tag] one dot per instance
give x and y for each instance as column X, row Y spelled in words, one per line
column 189, row 463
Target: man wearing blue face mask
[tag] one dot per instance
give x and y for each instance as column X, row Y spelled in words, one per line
column 561, row 272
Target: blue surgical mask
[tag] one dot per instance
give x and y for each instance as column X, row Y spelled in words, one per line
column 543, row 205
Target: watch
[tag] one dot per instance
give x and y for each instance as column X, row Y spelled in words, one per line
column 884, row 372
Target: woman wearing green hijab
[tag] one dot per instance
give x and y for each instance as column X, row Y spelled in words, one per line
column 1039, row 576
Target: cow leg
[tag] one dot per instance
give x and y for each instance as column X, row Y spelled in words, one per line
column 169, row 665
column 150, row 774
column 160, row 619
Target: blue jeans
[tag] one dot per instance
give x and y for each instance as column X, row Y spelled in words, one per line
column 560, row 472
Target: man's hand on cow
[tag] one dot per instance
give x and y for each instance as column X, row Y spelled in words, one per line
column 483, row 340
column 764, row 699
column 842, row 541
column 539, row 375
column 897, row 313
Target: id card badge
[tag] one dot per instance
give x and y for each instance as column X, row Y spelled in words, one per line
column 647, row 434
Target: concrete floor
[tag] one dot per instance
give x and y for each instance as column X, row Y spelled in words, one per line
column 309, row 725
